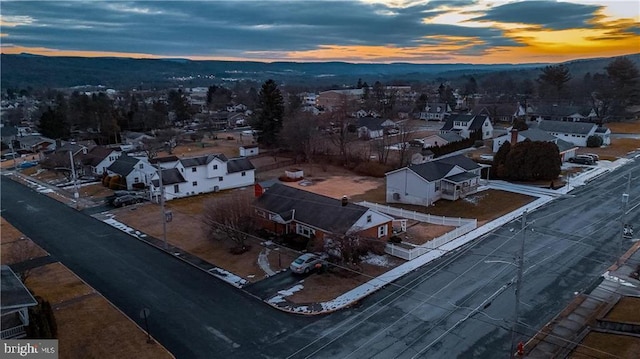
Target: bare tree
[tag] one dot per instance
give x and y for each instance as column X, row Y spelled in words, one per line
column 349, row 249
column 230, row 217
column 406, row 133
column 300, row 134
column 340, row 135
column 381, row 146
column 20, row 250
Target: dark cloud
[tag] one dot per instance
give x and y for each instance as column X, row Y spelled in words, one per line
column 548, row 14
column 231, row 28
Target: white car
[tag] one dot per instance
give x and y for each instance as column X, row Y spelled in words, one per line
column 306, row 263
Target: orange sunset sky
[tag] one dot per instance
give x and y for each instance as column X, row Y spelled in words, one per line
column 482, row 32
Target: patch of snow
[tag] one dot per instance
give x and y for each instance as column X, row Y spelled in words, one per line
column 228, row 277
column 377, row 260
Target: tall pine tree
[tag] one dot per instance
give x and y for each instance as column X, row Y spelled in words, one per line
column 268, row 120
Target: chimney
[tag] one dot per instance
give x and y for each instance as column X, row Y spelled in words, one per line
column 514, row 136
column 345, row 201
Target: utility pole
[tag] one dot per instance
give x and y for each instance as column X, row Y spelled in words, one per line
column 76, row 195
column 164, row 215
column 625, row 203
column 514, row 328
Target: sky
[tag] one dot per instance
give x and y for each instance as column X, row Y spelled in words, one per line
column 366, row 31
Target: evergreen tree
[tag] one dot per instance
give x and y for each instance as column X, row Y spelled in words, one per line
column 497, row 168
column 554, row 78
column 624, row 77
column 270, row 112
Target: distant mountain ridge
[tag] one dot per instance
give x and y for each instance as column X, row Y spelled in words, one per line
column 28, row 70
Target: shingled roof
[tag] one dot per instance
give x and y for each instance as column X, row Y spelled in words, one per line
column 438, row 169
column 96, row 155
column 169, row 176
column 325, row 213
column 202, row 160
column 123, row 165
column 581, row 128
column 239, row 164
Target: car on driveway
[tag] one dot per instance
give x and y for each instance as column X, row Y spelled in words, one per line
column 306, row 263
column 126, row 200
column 581, row 159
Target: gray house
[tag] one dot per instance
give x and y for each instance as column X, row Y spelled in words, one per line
column 448, row 178
column 133, row 169
column 575, row 132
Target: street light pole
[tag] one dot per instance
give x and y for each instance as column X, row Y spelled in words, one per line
column 164, row 215
column 76, row 195
column 625, row 203
column 514, row 328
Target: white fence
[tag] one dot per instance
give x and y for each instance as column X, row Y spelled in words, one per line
column 463, row 226
column 417, row 216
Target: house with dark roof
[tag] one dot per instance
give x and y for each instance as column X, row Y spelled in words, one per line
column 465, row 125
column 284, row 209
column 15, row 300
column 372, row 127
column 201, row 174
column 98, row 159
column 435, row 112
column 136, row 171
column 575, row 132
column 36, row 143
column 423, row 184
column 441, row 139
column 567, row 149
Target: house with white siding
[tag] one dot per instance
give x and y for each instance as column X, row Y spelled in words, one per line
column 423, row 184
column 136, row 171
column 99, row 158
column 202, row 174
column 575, row 132
column 465, row 125
column 567, row 149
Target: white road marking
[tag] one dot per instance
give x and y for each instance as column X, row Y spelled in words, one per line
column 219, row 334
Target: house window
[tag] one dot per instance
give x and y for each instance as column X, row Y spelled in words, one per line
column 176, row 188
column 486, row 124
column 141, row 166
column 182, row 170
column 368, row 218
column 193, row 169
column 194, row 183
column 261, row 213
column 304, row 230
column 437, row 185
column 486, row 133
column 382, row 231
column 136, row 180
column 220, row 179
column 244, row 173
column 215, row 167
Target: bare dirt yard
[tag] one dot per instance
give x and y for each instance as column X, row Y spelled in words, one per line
column 88, row 325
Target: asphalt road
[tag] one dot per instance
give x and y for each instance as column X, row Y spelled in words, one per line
column 460, row 306
column 193, row 314
column 463, row 305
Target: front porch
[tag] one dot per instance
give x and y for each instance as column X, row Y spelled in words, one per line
column 459, row 186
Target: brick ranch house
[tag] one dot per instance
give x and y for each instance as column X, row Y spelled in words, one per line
column 283, row 209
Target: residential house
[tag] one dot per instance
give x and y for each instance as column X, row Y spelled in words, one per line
column 465, row 125
column 569, row 113
column 441, row 139
column 423, row 184
column 372, row 127
column 15, row 301
column 136, row 171
column 36, row 143
column 575, row 132
column 202, row 174
column 249, row 150
column 567, row 149
column 135, row 139
column 435, row 112
column 499, row 112
column 284, row 209
column 99, row 158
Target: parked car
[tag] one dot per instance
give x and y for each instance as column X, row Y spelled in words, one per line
column 581, row 159
column 593, row 156
column 126, row 200
column 306, row 263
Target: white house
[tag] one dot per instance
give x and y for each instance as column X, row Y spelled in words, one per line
column 441, row 139
column 567, row 149
column 423, row 184
column 202, row 174
column 435, row 112
column 465, row 125
column 372, row 127
column 136, row 171
column 575, row 132
column 99, row 158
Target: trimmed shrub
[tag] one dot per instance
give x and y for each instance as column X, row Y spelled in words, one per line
column 594, row 141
